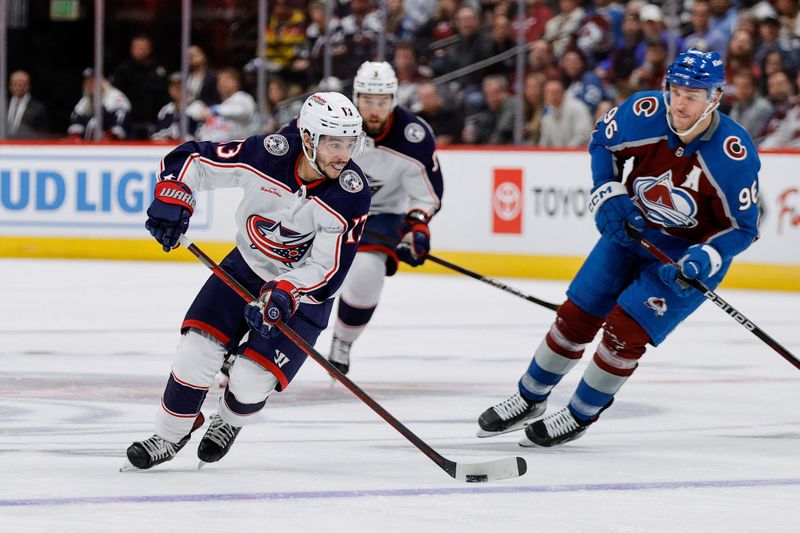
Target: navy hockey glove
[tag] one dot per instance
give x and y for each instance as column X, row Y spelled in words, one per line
column 168, row 215
column 277, row 302
column 612, row 209
column 415, row 238
column 700, row 262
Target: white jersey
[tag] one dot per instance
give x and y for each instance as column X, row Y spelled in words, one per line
column 304, row 233
column 232, row 119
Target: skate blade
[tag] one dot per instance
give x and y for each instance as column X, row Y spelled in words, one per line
column 128, row 467
column 201, row 464
column 482, row 433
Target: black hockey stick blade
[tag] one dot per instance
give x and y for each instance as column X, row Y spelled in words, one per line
column 476, row 472
column 474, row 275
column 712, row 296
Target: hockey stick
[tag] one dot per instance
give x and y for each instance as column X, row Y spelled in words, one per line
column 714, row 297
column 461, row 270
column 509, row 467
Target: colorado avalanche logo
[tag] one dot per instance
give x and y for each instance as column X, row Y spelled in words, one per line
column 276, row 144
column 277, row 242
column 659, row 305
column 646, row 106
column 351, row 181
column 663, row 203
column 734, row 148
column 414, row 132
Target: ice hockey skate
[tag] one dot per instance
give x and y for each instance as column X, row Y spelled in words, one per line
column 509, row 415
column 558, row 428
column 217, row 441
column 155, row 450
column 340, row 354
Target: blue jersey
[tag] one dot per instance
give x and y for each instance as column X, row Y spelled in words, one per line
column 704, row 191
column 288, row 229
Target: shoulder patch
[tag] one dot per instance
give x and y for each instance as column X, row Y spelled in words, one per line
column 734, row 148
column 414, row 132
column 351, row 181
column 646, row 106
column 276, row 144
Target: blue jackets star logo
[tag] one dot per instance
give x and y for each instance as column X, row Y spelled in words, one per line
column 276, row 241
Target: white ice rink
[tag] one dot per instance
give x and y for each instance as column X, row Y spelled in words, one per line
column 703, row 438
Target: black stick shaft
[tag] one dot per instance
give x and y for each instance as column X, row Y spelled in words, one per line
column 734, row 313
column 444, row 463
column 474, row 275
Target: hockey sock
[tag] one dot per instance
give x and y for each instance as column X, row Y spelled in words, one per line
column 248, row 389
column 197, row 360
column 559, row 351
column 360, row 295
column 616, row 358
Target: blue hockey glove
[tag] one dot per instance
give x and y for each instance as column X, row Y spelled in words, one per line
column 612, row 209
column 168, row 215
column 700, row 262
column 415, row 239
column 277, row 302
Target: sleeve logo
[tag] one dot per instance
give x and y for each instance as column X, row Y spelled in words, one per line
column 414, row 132
column 734, row 148
column 351, row 181
column 276, row 144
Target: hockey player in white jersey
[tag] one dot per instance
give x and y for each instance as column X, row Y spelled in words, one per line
column 299, row 224
column 405, row 180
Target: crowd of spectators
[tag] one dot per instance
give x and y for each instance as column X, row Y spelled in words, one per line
column 582, row 58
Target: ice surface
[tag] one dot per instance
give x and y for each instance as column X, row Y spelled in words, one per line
column 704, row 437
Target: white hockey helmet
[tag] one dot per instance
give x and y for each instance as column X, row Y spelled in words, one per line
column 375, row 77
column 331, row 114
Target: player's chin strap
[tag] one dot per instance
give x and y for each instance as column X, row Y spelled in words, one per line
column 508, row 467
column 312, row 157
column 714, row 297
column 710, row 108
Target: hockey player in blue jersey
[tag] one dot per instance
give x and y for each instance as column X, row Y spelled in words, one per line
column 692, row 190
column 299, row 223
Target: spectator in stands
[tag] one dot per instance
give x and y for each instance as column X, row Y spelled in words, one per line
column 312, row 56
column 202, row 84
column 703, row 37
column 495, row 124
column 749, row 109
column 723, row 17
column 653, row 27
column 446, row 124
column 234, row 118
column 354, row 38
column 144, row 81
column 537, row 14
column 26, row 117
column 542, row 60
column 770, row 39
column 780, row 94
column 581, row 83
column 116, row 111
column 533, row 93
column 409, row 74
column 501, row 40
column 567, row 122
column 787, row 132
column 741, row 52
column 285, row 38
column 440, row 26
column 471, row 47
column 280, row 110
column 168, row 127
column 649, row 76
column 621, row 61
column 559, row 29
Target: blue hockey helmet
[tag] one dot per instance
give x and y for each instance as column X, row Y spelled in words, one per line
column 696, row 70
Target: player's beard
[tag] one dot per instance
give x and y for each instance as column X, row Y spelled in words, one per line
column 374, row 126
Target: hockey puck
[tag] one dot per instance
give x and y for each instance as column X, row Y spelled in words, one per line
column 477, row 478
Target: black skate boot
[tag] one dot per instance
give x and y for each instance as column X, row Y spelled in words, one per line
column 217, row 441
column 340, row 354
column 509, row 415
column 155, row 450
column 558, row 428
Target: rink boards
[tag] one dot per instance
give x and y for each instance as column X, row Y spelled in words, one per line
column 514, row 212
